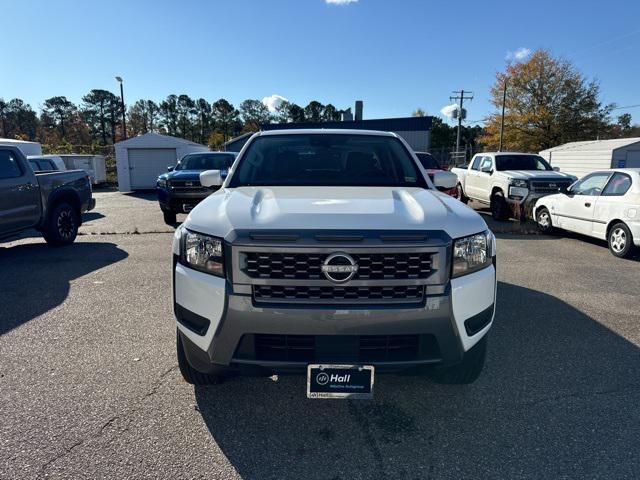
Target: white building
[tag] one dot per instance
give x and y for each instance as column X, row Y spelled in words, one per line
column 141, row 159
column 581, row 158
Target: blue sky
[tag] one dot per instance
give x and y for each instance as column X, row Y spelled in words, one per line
column 395, row 55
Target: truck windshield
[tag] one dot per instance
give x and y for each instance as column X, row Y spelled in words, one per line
column 521, row 162
column 205, row 161
column 322, row 159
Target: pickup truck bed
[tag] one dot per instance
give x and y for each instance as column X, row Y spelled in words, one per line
column 51, row 202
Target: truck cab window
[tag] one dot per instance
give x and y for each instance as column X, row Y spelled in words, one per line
column 9, row 167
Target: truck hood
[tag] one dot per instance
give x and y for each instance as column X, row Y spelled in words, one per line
column 332, row 208
column 536, row 175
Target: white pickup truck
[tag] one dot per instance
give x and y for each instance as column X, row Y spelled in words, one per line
column 509, row 182
column 331, row 252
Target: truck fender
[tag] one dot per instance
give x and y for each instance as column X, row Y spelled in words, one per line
column 63, row 194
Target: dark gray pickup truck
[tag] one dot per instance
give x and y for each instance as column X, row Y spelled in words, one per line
column 51, row 202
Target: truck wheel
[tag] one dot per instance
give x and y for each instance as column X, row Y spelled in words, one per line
column 169, row 217
column 61, row 228
column 620, row 240
column 190, row 374
column 543, row 220
column 499, row 209
column 466, row 372
column 460, row 195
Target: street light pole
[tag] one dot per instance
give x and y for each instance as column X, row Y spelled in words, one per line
column 124, row 121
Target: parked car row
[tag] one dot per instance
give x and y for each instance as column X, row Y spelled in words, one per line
column 604, row 204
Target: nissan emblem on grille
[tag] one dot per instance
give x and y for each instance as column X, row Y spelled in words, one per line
column 339, row 267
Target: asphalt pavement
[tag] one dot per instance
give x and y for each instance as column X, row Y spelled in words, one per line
column 89, row 385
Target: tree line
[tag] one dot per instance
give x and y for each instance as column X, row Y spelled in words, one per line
column 97, row 120
column 548, row 103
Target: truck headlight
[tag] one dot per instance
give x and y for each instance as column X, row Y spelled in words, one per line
column 519, row 183
column 202, row 252
column 472, row 253
column 162, row 182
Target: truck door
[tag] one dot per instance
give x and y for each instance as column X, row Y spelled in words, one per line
column 483, row 179
column 19, row 193
column 471, row 177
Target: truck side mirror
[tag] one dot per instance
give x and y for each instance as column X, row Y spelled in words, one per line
column 486, row 169
column 210, row 178
column 170, row 168
column 556, row 169
column 445, row 180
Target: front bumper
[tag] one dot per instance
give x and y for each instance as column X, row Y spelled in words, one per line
column 175, row 200
column 91, row 204
column 222, row 328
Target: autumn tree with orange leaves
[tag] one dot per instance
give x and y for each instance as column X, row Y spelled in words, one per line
column 548, row 103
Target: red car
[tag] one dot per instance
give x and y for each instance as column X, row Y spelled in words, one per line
column 431, row 165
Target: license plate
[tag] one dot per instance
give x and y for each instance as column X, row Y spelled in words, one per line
column 186, row 207
column 340, row 381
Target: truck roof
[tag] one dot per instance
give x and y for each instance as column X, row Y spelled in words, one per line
column 337, row 131
column 505, row 153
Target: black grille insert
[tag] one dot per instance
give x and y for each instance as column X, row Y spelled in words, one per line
column 307, row 266
column 549, row 186
column 331, row 294
column 342, row 348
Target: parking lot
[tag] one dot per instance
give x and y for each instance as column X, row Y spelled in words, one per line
column 89, row 384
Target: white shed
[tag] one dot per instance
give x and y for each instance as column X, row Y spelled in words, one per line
column 581, row 158
column 27, row 148
column 94, row 165
column 141, row 159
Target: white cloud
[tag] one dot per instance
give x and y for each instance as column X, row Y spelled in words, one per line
column 340, row 2
column 449, row 109
column 519, row 55
column 272, row 102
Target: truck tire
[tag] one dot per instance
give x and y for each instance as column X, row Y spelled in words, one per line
column 620, row 240
column 466, row 372
column 499, row 208
column 543, row 220
column 460, row 194
column 61, row 226
column 169, row 217
column 190, row 374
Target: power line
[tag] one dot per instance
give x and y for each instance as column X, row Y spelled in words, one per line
column 628, row 106
column 459, row 95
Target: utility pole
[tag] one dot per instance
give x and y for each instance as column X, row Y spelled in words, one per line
column 459, row 95
column 504, row 100
column 124, row 121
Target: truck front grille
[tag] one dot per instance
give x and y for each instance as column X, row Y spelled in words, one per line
column 547, row 186
column 337, row 294
column 307, row 266
column 187, row 185
column 341, row 348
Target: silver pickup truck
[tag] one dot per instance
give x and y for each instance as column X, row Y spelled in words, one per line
column 51, row 202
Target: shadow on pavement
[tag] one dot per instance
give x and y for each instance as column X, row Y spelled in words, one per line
column 89, row 216
column 149, row 195
column 558, row 398
column 34, row 278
